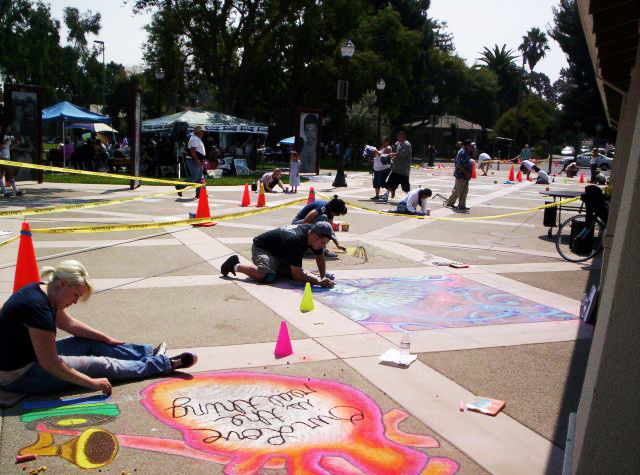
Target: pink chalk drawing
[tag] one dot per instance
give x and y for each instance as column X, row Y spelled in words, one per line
column 248, row 421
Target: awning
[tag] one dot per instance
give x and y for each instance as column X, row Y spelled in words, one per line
column 209, row 121
column 95, row 127
column 71, row 113
column 288, row 141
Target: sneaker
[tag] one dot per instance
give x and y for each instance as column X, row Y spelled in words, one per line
column 183, row 360
column 329, row 254
column 19, row 193
column 228, row 265
column 375, row 198
column 161, row 349
column 462, row 208
column 448, row 205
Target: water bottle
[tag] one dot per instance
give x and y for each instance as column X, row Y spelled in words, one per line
column 584, row 302
column 405, row 344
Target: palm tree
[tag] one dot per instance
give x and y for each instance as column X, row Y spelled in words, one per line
column 533, row 47
column 499, row 60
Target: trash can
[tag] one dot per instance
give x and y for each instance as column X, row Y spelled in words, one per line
column 550, row 215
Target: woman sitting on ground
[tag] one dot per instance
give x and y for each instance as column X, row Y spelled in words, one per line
column 415, row 198
column 32, row 361
column 270, row 180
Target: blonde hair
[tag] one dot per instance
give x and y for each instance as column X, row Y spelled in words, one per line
column 71, row 271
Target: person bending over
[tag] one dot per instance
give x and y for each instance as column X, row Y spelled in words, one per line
column 279, row 252
column 527, row 167
column 415, row 198
column 32, row 361
column 270, row 180
column 322, row 210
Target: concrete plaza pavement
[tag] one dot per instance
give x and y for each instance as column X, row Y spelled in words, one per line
column 165, row 285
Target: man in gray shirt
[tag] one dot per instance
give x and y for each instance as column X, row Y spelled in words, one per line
column 401, row 167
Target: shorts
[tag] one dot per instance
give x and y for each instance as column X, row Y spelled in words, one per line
column 380, row 178
column 396, row 179
column 269, row 264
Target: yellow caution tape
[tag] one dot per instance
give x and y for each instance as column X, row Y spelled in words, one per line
column 494, row 216
column 85, row 172
column 138, row 226
column 120, row 227
column 9, row 241
column 96, row 204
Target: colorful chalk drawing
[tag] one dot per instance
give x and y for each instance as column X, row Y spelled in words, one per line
column 249, row 421
column 431, row 302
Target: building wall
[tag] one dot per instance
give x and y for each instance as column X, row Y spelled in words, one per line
column 608, row 418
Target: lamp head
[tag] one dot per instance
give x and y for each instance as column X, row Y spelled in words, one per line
column 347, row 49
column 381, row 84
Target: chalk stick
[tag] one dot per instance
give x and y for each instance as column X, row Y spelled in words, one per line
column 25, row 458
column 461, row 405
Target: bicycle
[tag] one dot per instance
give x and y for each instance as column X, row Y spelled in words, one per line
column 581, row 237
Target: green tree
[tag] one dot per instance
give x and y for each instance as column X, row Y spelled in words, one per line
column 534, row 46
column 500, row 61
column 582, row 108
column 534, row 120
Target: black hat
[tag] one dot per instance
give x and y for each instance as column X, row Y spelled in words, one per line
column 323, row 228
column 467, row 142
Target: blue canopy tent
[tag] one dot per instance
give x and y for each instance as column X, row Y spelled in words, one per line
column 288, row 141
column 67, row 112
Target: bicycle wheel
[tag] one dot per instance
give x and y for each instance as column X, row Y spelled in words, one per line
column 575, row 242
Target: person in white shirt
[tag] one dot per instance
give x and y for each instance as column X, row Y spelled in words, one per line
column 5, row 153
column 485, row 162
column 197, row 155
column 270, row 180
column 527, row 167
column 543, row 177
column 413, row 199
column 381, row 166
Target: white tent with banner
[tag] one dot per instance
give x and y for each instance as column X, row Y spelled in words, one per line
column 209, row 121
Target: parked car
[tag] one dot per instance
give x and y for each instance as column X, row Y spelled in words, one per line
column 604, row 162
column 568, row 151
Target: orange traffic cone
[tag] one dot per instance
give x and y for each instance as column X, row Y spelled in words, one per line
column 261, row 198
column 312, row 195
column 511, row 175
column 283, row 345
column 581, row 177
column 26, row 266
column 473, row 170
column 246, row 200
column 203, row 207
column 519, row 177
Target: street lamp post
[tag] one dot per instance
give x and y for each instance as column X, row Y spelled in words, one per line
column 104, row 75
column 380, row 85
column 434, row 102
column 346, row 50
column 159, row 78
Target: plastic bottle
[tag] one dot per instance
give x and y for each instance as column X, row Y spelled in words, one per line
column 405, row 343
column 583, row 305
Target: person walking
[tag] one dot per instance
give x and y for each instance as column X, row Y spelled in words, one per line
column 195, row 157
column 401, row 166
column 462, row 173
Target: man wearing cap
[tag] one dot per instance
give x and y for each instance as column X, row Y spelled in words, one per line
column 279, row 252
column 463, row 175
column 196, row 156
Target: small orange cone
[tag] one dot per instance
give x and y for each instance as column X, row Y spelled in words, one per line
column 283, row 345
column 511, row 175
column 473, row 171
column 519, row 177
column 581, row 177
column 312, row 195
column 246, row 200
column 203, row 208
column 26, row 266
column 261, row 199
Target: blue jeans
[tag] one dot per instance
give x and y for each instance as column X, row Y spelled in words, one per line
column 196, row 173
column 96, row 360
